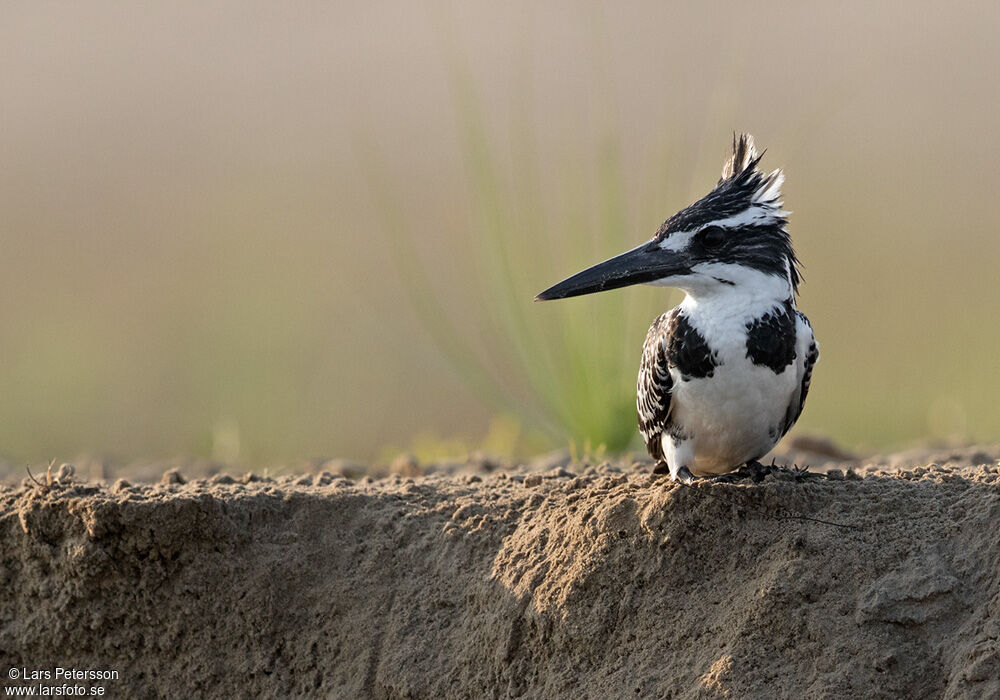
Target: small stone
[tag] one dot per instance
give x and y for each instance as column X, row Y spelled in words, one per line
column 532, row 480
column 835, row 474
column 483, row 462
column 221, row 479
column 405, row 465
column 65, row 473
column 851, row 474
column 121, row 485
column 250, row 478
column 172, row 476
column 558, row 473
column 346, row 468
column 473, row 479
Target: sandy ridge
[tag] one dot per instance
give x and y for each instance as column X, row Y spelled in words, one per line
column 613, row 583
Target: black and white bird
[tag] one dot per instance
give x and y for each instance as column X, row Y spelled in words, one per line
column 725, row 374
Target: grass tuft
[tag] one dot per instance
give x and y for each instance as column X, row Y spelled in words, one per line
column 564, row 369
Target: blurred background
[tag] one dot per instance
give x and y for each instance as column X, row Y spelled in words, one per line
column 275, row 231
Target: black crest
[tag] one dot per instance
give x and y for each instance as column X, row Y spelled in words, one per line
column 762, row 241
column 744, row 158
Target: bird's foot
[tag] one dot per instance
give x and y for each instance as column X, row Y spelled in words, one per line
column 730, row 478
column 757, row 471
column 753, row 470
column 682, row 475
column 803, row 473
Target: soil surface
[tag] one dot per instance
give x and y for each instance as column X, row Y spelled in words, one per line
column 557, row 580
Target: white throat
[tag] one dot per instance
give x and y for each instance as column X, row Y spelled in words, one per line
column 727, row 291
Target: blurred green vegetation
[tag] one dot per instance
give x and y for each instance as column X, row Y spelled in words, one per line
column 319, row 234
column 565, row 371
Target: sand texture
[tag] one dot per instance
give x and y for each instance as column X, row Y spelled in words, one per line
column 585, row 583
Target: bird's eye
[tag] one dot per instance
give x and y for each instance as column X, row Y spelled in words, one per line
column 712, row 237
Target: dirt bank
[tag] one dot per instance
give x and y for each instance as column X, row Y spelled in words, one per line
column 603, row 584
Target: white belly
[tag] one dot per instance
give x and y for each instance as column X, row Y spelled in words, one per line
column 733, row 416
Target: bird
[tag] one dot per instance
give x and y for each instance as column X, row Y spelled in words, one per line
column 725, row 374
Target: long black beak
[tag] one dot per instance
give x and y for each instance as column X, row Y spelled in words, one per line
column 646, row 263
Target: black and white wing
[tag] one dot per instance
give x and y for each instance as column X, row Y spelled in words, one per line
column 807, row 347
column 654, row 387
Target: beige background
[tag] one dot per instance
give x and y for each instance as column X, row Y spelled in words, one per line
column 193, row 257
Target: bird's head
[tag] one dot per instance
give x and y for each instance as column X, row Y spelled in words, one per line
column 732, row 238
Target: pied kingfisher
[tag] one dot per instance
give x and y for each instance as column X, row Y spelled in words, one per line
column 725, row 374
